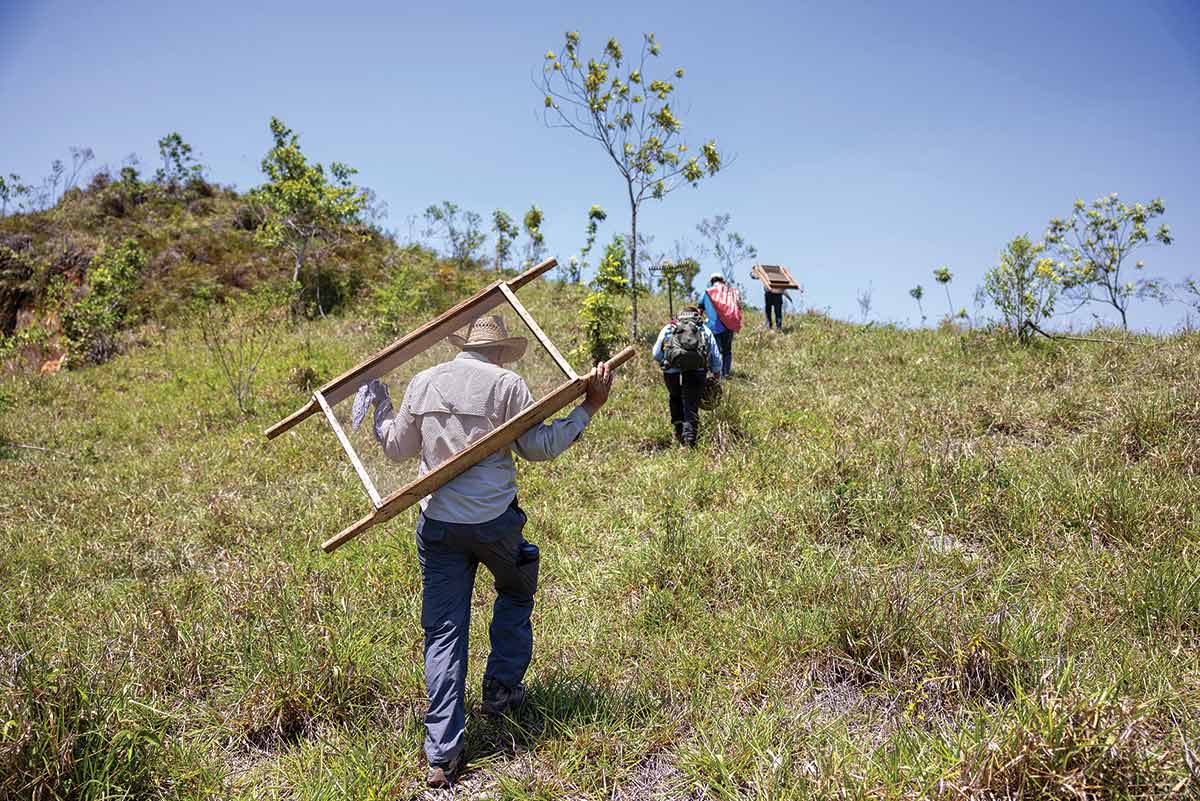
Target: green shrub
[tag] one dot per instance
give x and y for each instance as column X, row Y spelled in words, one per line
column 603, row 309
column 419, row 286
column 330, row 290
column 1022, row 287
column 32, row 345
column 92, row 323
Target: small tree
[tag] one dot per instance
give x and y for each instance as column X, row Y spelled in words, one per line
column 1022, row 287
column 304, row 211
column 80, row 158
column 535, row 248
column 179, row 167
column 604, row 308
column 864, row 299
column 943, row 276
column 687, row 264
column 629, row 115
column 596, row 215
column 238, row 338
column 572, row 271
column 1190, row 289
column 1094, row 243
column 506, row 233
column 460, row 230
column 916, row 293
column 1187, row 292
column 728, row 247
column 12, row 191
column 46, row 195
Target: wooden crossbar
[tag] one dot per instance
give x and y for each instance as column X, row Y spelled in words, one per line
column 410, row 345
column 349, row 449
column 537, row 331
column 494, row 441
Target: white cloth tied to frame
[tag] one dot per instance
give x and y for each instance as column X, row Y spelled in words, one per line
column 374, row 391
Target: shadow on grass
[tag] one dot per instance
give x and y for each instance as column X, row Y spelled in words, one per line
column 557, row 704
column 649, row 445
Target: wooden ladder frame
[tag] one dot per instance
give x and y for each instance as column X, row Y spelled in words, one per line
column 411, row 345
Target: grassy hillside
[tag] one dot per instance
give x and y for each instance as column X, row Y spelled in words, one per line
column 197, row 239
column 901, row 564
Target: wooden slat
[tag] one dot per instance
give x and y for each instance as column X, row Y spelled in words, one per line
column 349, row 449
column 533, row 326
column 787, row 276
column 497, row 439
column 291, row 420
column 410, row 345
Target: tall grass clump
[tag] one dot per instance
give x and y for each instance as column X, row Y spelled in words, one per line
column 72, row 732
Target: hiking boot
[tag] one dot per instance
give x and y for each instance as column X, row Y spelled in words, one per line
column 443, row 777
column 689, row 435
column 499, row 698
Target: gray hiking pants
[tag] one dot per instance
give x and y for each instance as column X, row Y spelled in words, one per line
column 449, row 554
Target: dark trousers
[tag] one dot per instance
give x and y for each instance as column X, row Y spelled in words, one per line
column 684, row 391
column 449, row 554
column 774, row 302
column 725, row 343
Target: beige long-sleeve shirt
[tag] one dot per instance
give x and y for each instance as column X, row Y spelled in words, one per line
column 453, row 404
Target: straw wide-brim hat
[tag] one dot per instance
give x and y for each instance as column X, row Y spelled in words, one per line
column 491, row 333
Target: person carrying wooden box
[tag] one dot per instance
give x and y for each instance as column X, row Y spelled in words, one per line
column 776, row 281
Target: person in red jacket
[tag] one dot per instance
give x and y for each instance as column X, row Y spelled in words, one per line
column 722, row 304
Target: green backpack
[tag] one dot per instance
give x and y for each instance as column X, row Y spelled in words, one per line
column 686, row 347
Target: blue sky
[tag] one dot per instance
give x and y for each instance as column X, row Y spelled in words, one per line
column 873, row 141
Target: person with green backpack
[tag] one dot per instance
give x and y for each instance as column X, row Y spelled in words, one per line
column 687, row 350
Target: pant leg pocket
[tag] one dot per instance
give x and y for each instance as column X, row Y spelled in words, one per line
column 515, row 572
column 528, row 561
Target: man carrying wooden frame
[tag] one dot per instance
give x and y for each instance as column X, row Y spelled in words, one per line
column 464, row 418
column 473, row 518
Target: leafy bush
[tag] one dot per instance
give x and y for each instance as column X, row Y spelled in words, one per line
column 329, row 291
column 91, row 325
column 1022, row 287
column 419, row 285
column 247, row 217
column 603, row 309
column 31, row 345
